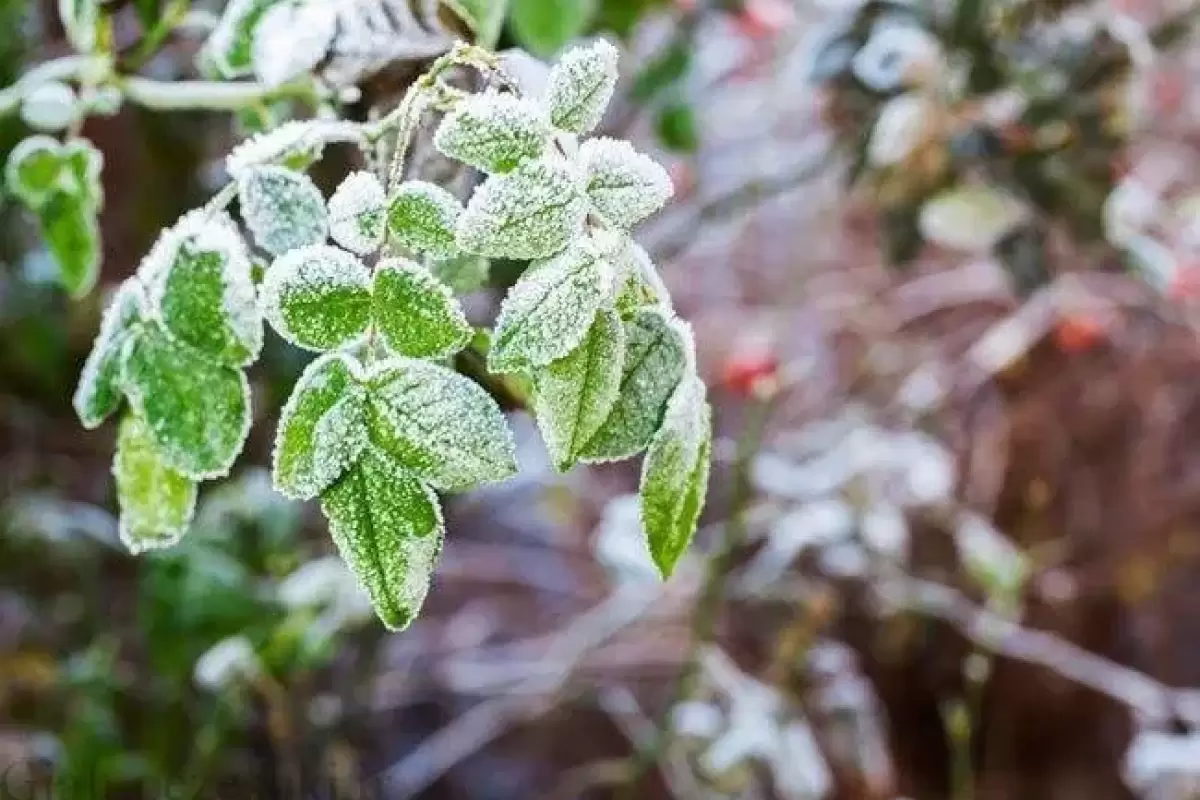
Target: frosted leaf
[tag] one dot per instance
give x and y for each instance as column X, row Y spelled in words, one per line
column 83, row 163
column 156, row 501
column 638, row 281
column 576, row 393
column 295, row 144
column 50, row 107
column 322, row 428
column 463, row 273
column 99, row 390
column 79, row 20
column 33, row 169
column 229, row 45
column 199, row 285
column 416, row 315
column 388, row 527
column 291, row 39
column 441, row 426
column 318, row 297
column 198, row 411
column 532, row 212
column 675, row 475
column 422, row 217
column 356, row 213
column 581, row 85
column 656, row 356
column 549, row 310
column 623, row 185
column 971, row 218
column 493, row 132
column 282, row 208
column 72, row 235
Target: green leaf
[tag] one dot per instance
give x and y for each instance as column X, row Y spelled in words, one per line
column 388, row 527
column 417, row 315
column 198, row 411
column 441, row 426
column 576, row 393
column 485, row 18
column 581, row 85
column 73, row 237
column 282, row 208
column 230, row 46
column 623, row 185
column 322, row 429
column 493, row 132
column 463, row 273
column 543, row 27
column 79, row 20
column 318, row 297
column 33, row 169
column 357, row 213
column 156, row 501
column 422, row 216
column 665, row 69
column 532, row 212
column 656, row 356
column 675, row 475
column 81, row 178
column 676, row 127
column 99, row 390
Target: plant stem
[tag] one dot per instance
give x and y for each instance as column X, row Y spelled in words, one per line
column 209, row 95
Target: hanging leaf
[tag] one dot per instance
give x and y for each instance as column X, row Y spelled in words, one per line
column 623, row 185
column 422, row 216
column 576, row 393
column 322, row 429
column 656, row 356
column 441, row 426
column 388, row 527
column 198, row 411
column 493, row 132
column 72, row 235
column 80, row 177
column 33, row 169
column 357, row 211
column 318, row 297
column 283, row 209
column 532, row 212
column 156, row 501
column 548, row 311
column 543, row 27
column 675, row 475
column 581, row 85
column 416, row 315
column 99, row 390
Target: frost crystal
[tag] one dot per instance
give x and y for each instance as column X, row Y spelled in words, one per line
column 422, row 217
column 292, row 142
column 623, row 185
column 637, row 281
column 417, row 316
column 656, row 358
column 532, row 212
column 549, row 310
column 581, row 85
column 356, row 213
column 576, row 393
column 388, row 527
column 318, row 297
column 197, row 411
column 99, row 391
column 229, row 45
column 443, row 427
column 675, row 475
column 283, row 209
column 291, row 39
column 493, row 132
column 322, row 429
column 156, row 501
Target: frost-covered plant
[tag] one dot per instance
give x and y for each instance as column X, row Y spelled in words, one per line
column 380, row 423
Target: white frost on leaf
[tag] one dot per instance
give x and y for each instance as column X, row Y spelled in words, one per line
column 623, row 185
column 318, row 297
column 415, row 313
column 295, row 140
column 98, row 393
column 156, row 501
column 284, row 209
column 493, row 131
column 51, row 106
column 291, row 39
column 532, row 212
column 422, row 216
column 580, row 86
column 636, row 282
column 357, row 213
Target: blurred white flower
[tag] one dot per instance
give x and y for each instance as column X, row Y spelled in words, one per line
column 228, row 661
column 844, row 560
column 971, row 218
column 896, row 55
column 903, row 125
column 885, row 531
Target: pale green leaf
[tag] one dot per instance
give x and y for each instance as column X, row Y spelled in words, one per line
column 318, row 297
column 388, row 527
column 576, row 393
column 99, row 390
column 463, row 273
column 422, row 216
column 322, row 428
column 79, row 19
column 493, row 131
column 357, row 213
column 548, row 311
column 83, row 164
column 282, row 208
column 156, row 501
column 532, row 212
column 198, row 411
column 581, row 85
column 229, row 47
column 656, row 357
column 416, row 315
column 623, row 185
column 33, row 169
column 675, row 475
column 443, row 427
column 72, row 236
